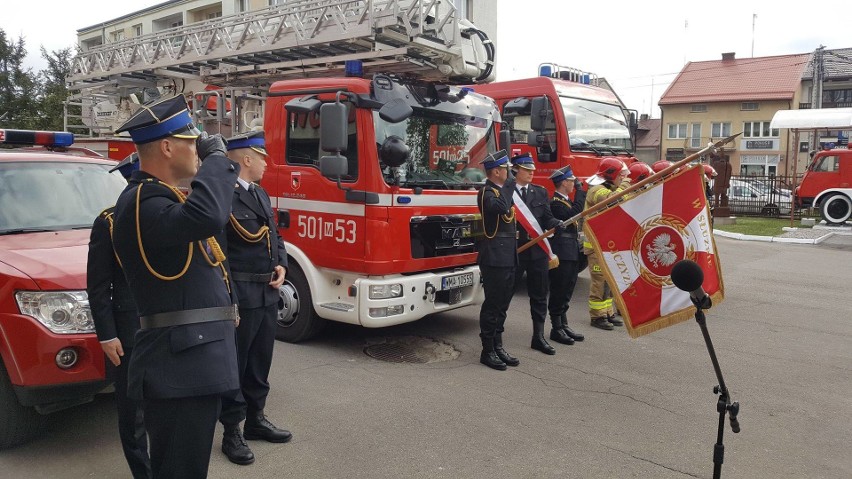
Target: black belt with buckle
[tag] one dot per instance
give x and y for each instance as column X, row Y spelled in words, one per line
column 189, row 316
column 251, row 277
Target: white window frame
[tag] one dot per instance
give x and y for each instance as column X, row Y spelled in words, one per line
column 695, row 137
column 746, row 106
column 720, row 129
column 137, row 30
column 679, row 131
column 762, row 130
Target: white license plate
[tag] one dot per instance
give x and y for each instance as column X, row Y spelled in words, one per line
column 457, row 281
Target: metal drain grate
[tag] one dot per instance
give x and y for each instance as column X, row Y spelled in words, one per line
column 411, row 349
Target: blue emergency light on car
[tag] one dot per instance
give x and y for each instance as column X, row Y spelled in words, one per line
column 54, row 139
column 354, row 68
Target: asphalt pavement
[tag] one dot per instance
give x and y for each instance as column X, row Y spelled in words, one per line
column 609, row 407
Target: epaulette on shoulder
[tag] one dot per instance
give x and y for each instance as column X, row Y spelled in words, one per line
column 107, row 212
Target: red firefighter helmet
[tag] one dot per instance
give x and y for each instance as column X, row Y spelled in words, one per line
column 639, row 171
column 608, row 170
column 709, row 172
column 661, row 165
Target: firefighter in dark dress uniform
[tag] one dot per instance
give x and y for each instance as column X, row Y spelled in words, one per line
column 565, row 245
column 497, row 258
column 258, row 263
column 534, row 261
column 116, row 323
column 185, row 355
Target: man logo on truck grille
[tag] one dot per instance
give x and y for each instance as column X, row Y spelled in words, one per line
column 296, row 179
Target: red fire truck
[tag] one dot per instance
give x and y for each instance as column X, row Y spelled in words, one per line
column 827, row 185
column 562, row 118
column 377, row 233
column 50, row 358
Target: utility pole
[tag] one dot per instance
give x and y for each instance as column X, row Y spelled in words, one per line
column 753, row 20
column 816, row 90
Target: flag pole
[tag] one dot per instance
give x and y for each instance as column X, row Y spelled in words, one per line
column 632, row 188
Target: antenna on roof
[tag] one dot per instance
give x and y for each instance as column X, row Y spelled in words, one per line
column 753, row 20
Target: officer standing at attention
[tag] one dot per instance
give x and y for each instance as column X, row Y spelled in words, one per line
column 610, row 179
column 258, row 263
column 116, row 322
column 563, row 278
column 497, row 258
column 185, row 355
column 534, row 260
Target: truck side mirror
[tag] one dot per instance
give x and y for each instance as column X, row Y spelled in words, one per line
column 334, row 166
column 539, row 112
column 334, row 126
column 305, row 104
column 505, row 138
column 534, row 139
column 395, row 111
column 518, row 106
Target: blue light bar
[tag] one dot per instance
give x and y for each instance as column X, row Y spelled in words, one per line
column 60, row 139
column 354, row 68
column 545, row 70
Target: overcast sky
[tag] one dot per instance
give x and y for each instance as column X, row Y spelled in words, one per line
column 638, row 46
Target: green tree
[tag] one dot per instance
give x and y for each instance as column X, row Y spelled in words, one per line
column 19, row 88
column 53, row 89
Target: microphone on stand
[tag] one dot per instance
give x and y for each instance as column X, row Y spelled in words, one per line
column 688, row 276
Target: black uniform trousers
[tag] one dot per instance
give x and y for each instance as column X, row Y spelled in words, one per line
column 563, row 279
column 181, row 431
column 498, row 284
column 255, row 344
column 536, row 268
column 131, row 426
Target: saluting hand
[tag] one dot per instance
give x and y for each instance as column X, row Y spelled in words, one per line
column 206, row 145
column 113, row 350
column 278, row 277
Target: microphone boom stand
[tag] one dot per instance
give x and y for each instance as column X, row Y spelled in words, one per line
column 724, row 404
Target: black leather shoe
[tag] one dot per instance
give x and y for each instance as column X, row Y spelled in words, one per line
column 571, row 334
column 506, row 357
column 490, row 359
column 258, row 427
column 235, row 447
column 615, row 321
column 602, row 323
column 560, row 336
column 539, row 344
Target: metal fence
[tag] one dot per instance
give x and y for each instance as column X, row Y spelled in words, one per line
column 768, row 196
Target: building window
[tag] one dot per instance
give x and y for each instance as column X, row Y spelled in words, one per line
column 749, row 106
column 277, row 2
column 137, row 30
column 699, row 109
column 463, row 8
column 720, row 130
column 116, row 36
column 677, row 131
column 759, row 165
column 759, row 129
column 242, row 6
column 695, row 139
column 216, row 14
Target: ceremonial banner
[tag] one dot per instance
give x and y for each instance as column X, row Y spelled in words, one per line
column 533, row 229
column 641, row 239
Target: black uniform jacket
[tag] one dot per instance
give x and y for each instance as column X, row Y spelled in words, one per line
column 497, row 246
column 195, row 359
column 539, row 205
column 109, row 296
column 564, row 242
column 254, row 257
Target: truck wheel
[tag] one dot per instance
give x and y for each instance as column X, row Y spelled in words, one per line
column 20, row 423
column 836, row 209
column 297, row 320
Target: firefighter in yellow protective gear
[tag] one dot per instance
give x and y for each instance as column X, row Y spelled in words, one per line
column 611, row 178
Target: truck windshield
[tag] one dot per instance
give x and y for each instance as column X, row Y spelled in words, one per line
column 445, row 149
column 53, row 196
column 596, row 126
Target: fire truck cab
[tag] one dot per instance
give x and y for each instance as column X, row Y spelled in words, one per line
column 50, row 358
column 375, row 182
column 562, row 118
column 827, row 185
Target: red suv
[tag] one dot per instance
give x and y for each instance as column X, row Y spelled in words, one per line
column 50, row 358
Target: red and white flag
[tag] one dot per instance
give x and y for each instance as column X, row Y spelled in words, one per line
column 641, row 239
column 533, row 229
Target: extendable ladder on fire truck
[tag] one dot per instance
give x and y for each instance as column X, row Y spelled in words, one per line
column 302, row 38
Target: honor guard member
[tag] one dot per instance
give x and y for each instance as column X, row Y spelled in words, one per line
column 565, row 245
column 185, row 355
column 258, row 263
column 116, row 323
column 497, row 258
column 534, row 261
column 610, row 179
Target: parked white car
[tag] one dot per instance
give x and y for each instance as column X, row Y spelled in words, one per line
column 745, row 197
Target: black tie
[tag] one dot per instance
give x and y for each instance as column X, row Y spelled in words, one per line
column 253, row 191
column 524, row 193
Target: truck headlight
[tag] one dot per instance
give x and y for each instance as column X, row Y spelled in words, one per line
column 385, row 291
column 62, row 312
